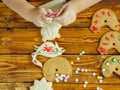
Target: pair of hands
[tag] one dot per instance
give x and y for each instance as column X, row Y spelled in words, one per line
column 66, row 15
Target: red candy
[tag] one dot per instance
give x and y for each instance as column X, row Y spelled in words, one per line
column 107, row 38
column 94, row 28
column 112, row 35
column 103, row 50
column 108, row 13
column 103, row 13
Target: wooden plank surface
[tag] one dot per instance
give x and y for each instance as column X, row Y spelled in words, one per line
column 18, row 37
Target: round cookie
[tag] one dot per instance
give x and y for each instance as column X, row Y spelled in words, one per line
column 111, row 65
column 102, row 18
column 56, row 65
column 108, row 41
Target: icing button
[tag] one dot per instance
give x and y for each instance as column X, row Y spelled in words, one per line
column 114, row 60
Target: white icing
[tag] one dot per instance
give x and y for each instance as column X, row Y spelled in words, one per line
column 41, row 85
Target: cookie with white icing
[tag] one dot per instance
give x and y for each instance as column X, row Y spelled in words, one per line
column 104, row 17
column 47, row 49
column 56, row 65
column 111, row 65
column 110, row 40
column 51, row 31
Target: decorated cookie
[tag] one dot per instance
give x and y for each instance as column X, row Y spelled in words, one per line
column 111, row 65
column 47, row 49
column 56, row 65
column 102, row 18
column 108, row 41
column 51, row 31
column 41, row 85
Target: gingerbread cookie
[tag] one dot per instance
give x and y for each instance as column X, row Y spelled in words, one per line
column 108, row 41
column 56, row 65
column 111, row 65
column 102, row 18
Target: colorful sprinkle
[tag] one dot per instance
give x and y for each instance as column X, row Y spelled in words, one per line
column 119, row 61
column 100, row 81
column 98, row 77
column 71, row 62
column 76, row 80
column 94, row 74
column 78, row 58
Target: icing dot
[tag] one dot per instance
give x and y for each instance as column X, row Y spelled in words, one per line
column 107, row 63
column 103, row 69
column 114, row 59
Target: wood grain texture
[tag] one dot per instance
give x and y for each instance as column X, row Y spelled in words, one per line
column 18, row 37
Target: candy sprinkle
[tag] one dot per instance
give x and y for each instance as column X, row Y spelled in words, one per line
column 76, row 80
column 78, row 58
column 71, row 62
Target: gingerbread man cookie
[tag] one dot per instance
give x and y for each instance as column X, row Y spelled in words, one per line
column 102, row 18
column 108, row 41
column 111, row 65
column 56, row 65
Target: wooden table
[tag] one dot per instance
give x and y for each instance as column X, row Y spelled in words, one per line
column 18, row 37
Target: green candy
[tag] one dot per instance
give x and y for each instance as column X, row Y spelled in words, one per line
column 114, row 59
column 107, row 63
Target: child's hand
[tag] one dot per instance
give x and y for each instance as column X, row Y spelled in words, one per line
column 39, row 17
column 67, row 14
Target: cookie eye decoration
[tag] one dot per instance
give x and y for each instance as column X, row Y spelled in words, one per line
column 110, row 40
column 111, row 65
column 47, row 49
column 57, row 66
column 104, row 17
